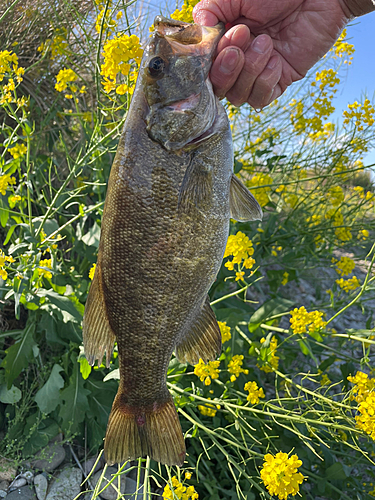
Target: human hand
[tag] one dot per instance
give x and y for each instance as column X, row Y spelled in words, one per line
column 270, row 43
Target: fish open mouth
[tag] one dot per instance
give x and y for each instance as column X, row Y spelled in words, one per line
column 186, row 104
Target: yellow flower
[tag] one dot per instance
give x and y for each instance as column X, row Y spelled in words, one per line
column 336, row 195
column 363, row 386
column 285, row 278
column 186, row 12
column 207, row 372
column 366, row 419
column 208, row 410
column 350, row 284
column 344, row 266
column 240, row 275
column 280, row 475
column 5, row 180
column 18, row 150
column 254, row 392
column 3, row 260
column 64, row 77
column 43, row 272
column 225, row 331
column 325, row 380
column 177, row 489
column 92, row 272
column 363, row 234
column 235, row 367
column 241, row 248
column 261, row 194
column 118, row 55
column 361, row 114
column 301, row 321
column 272, row 359
column 188, row 475
column 343, row 49
column 8, row 63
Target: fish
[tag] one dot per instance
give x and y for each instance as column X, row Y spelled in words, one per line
column 171, row 194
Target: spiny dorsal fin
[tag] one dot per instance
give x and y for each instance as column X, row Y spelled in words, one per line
column 98, row 336
column 243, row 205
column 203, row 340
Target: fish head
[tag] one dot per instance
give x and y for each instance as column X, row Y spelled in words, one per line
column 174, row 72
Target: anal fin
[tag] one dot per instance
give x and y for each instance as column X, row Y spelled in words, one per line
column 243, row 205
column 98, row 337
column 203, row 340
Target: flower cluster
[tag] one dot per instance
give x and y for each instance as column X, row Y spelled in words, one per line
column 5, row 180
column 186, row 12
column 366, row 419
column 363, row 386
column 241, row 248
column 209, row 410
column 225, row 331
column 45, row 263
column 344, row 266
column 18, row 151
column 119, row 54
column 285, row 278
column 9, row 69
column 343, row 49
column 255, row 392
column 336, row 195
column 235, row 367
column 207, row 372
column 280, row 476
column 272, row 359
column 3, row 259
column 261, row 193
column 301, row 321
column 178, row 490
column 65, row 79
column 350, row 284
column 363, row 114
column 105, row 18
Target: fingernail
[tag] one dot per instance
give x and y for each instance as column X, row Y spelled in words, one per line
column 260, row 44
column 272, row 63
column 229, row 60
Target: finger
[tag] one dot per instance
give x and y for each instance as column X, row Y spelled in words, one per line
column 238, row 35
column 256, row 59
column 226, row 69
column 265, row 84
column 210, row 12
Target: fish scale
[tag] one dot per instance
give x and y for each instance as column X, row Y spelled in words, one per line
column 170, row 196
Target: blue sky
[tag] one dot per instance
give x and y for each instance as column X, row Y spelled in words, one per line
column 360, row 77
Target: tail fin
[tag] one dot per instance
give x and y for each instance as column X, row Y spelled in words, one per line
column 132, row 434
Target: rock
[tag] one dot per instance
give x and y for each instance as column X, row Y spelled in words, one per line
column 49, row 458
column 7, row 470
column 110, row 493
column 41, row 485
column 4, row 485
column 89, row 464
column 131, row 490
column 28, row 475
column 24, row 493
column 3, row 494
column 66, row 486
column 17, row 483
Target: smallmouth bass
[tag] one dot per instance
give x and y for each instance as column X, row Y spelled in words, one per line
column 171, row 193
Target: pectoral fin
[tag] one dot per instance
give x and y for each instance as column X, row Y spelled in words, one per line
column 243, row 205
column 196, row 187
column 98, row 336
column 203, row 340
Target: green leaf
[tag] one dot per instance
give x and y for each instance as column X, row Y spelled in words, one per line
column 48, row 397
column 75, row 403
column 337, row 472
column 92, row 237
column 19, row 355
column 268, row 309
column 9, row 396
column 46, row 430
column 84, row 367
column 67, row 305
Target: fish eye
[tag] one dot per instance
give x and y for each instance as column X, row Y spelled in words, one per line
column 156, row 66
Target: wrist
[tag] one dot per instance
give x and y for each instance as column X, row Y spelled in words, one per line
column 356, row 8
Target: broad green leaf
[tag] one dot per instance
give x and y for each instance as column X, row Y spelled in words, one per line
column 45, row 431
column 75, row 403
column 268, row 309
column 84, row 367
column 68, row 307
column 9, row 396
column 48, row 397
column 337, row 472
column 19, row 355
column 92, row 237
